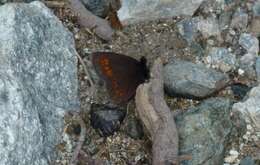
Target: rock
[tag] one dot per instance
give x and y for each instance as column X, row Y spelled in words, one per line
column 247, row 161
column 249, row 71
column 188, row 28
column 256, row 9
column 143, row 10
column 239, row 20
column 106, row 119
column 239, row 90
column 222, row 59
column 38, row 83
column 209, row 27
column 205, row 130
column 192, row 80
column 9, row 1
column 250, row 108
column 225, row 20
column 257, row 68
column 101, row 8
column 98, row 7
column 230, row 159
column 249, row 43
column 234, row 153
column 248, row 59
column 134, row 128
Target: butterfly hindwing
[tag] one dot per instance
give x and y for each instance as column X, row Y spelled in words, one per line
column 121, row 73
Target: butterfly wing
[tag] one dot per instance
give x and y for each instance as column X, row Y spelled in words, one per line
column 121, row 73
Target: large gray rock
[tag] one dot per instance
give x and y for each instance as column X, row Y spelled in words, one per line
column 192, row 80
column 10, row 1
column 143, row 10
column 205, row 130
column 38, row 83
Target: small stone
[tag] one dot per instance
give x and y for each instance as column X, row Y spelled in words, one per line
column 247, row 64
column 101, row 8
column 241, row 71
column 249, row 43
column 230, row 159
column 239, row 19
column 241, row 146
column 209, row 27
column 250, row 108
column 188, row 29
column 255, row 138
column 137, row 158
column 233, row 152
column 247, row 161
column 239, row 90
column 192, row 80
column 222, row 59
column 245, row 137
column 249, row 127
column 248, row 59
column 257, row 68
column 256, row 9
column 232, row 32
column 134, row 128
column 224, row 20
column 106, row 119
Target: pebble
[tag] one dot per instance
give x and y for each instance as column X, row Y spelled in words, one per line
column 192, row 80
column 249, row 127
column 106, row 119
column 230, row 159
column 241, row 71
column 239, row 90
column 256, row 9
column 257, row 68
column 247, row 161
column 239, row 19
column 249, row 43
column 209, row 27
column 222, row 59
column 233, row 152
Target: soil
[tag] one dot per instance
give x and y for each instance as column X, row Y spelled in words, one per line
column 148, row 39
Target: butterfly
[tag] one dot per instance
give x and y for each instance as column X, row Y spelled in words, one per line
column 122, row 74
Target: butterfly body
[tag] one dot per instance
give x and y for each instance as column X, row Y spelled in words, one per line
column 122, row 74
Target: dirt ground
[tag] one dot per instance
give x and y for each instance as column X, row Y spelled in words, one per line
column 148, row 39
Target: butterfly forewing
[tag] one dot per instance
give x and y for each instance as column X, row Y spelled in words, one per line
column 121, row 73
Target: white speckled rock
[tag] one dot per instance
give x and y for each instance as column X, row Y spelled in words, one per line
column 38, row 83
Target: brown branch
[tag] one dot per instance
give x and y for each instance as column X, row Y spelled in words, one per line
column 157, row 118
column 78, row 154
column 55, row 4
column 88, row 20
column 81, row 140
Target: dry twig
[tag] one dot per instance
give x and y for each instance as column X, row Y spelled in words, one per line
column 157, row 118
column 88, row 20
column 55, row 4
column 81, row 140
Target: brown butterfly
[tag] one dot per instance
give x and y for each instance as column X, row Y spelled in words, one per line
column 122, row 74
